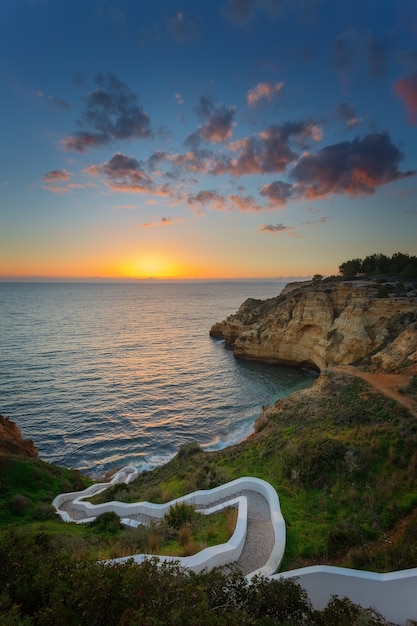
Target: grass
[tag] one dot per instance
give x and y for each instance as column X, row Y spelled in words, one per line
column 343, row 459
column 343, row 462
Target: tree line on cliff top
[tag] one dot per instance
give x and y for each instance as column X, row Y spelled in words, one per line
column 398, row 265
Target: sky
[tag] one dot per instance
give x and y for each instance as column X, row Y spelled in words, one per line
column 205, row 139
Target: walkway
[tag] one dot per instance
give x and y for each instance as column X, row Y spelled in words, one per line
column 258, row 542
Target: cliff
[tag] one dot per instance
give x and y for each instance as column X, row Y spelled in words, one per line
column 322, row 324
column 12, row 442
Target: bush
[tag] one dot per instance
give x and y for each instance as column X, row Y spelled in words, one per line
column 344, row 613
column 19, row 504
column 107, row 523
column 179, row 514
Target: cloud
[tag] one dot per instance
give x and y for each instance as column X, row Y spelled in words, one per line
column 263, row 91
column 183, row 28
column 56, row 104
column 406, row 90
column 55, row 179
column 231, row 202
column 269, row 151
column 164, row 221
column 278, row 192
column 56, row 176
column 123, row 173
column 218, row 122
column 112, row 112
column 356, row 167
column 279, row 228
column 346, row 112
column 320, row 220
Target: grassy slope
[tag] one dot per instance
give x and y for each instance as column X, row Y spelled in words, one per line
column 342, row 457
column 343, row 460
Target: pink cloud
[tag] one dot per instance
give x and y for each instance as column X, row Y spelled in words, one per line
column 54, row 181
column 263, row 91
column 406, row 90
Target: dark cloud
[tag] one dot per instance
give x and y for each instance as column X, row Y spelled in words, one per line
column 123, row 173
column 55, row 176
column 278, row 192
column 320, row 220
column 406, row 89
column 270, row 151
column 164, row 221
column 377, row 52
column 183, row 27
column 112, row 112
column 205, row 197
column 57, row 181
column 231, row 202
column 218, row 122
column 355, row 167
column 279, row 228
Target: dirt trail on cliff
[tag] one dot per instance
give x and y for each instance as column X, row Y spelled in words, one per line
column 388, row 384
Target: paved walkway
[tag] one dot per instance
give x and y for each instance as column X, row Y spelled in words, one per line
column 260, row 536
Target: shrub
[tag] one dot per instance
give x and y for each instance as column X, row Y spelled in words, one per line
column 107, row 523
column 344, row 613
column 179, row 514
column 19, row 504
column 188, row 449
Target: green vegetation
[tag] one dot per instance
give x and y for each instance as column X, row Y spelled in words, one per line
column 399, row 265
column 28, row 486
column 344, row 464
column 42, row 585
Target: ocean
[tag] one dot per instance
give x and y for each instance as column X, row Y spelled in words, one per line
column 101, row 375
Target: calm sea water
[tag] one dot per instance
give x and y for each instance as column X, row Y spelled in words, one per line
column 101, row 375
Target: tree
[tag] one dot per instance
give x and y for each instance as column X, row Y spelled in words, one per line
column 351, row 269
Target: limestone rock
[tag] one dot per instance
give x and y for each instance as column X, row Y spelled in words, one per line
column 323, row 323
column 11, row 441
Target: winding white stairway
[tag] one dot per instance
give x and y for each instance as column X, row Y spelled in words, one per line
column 256, row 546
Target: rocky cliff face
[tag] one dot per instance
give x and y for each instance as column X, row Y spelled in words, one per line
column 11, row 441
column 328, row 323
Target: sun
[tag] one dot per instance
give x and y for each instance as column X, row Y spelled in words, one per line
column 151, row 266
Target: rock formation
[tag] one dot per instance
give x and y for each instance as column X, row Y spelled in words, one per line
column 322, row 323
column 11, row 441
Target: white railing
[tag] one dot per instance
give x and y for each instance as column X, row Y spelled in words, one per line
column 394, row 595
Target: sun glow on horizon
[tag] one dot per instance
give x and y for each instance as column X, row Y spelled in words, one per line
column 151, row 266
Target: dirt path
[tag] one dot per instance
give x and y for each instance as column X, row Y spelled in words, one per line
column 388, row 384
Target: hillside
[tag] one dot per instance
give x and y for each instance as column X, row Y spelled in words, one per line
column 342, row 456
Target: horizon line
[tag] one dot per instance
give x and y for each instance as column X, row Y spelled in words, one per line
column 150, row 279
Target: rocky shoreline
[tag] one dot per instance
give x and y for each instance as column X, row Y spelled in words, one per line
column 321, row 324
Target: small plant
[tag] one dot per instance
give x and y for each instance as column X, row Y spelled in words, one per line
column 184, row 534
column 107, row 523
column 179, row 514
column 20, row 504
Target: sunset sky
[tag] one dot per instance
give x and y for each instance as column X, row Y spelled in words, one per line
column 207, row 138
